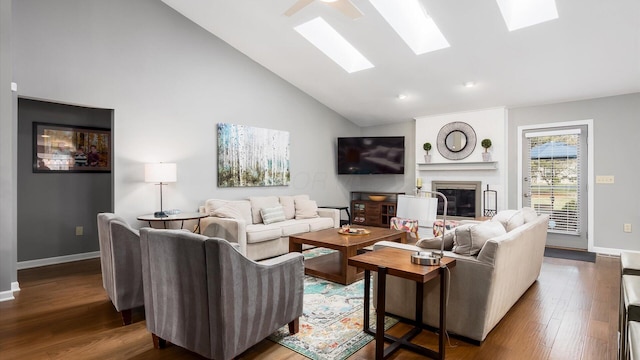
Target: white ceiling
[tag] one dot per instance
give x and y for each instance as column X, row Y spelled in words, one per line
column 591, row 50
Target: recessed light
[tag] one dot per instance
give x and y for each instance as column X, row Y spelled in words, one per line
column 402, row 96
column 469, row 84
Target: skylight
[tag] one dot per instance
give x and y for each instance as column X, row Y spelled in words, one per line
column 319, row 33
column 518, row 14
column 409, row 19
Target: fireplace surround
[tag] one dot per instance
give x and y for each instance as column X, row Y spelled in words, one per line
column 464, row 198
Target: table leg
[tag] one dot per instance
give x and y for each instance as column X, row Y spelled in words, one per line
column 419, row 303
column 367, row 299
column 443, row 309
column 380, row 310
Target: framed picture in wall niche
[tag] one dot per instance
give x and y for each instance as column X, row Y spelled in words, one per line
column 65, row 148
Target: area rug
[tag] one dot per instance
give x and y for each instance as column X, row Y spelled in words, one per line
column 570, row 254
column 332, row 319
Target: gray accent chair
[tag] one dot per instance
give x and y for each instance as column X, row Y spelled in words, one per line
column 121, row 264
column 202, row 294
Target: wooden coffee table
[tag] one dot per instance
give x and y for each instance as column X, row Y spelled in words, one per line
column 334, row 266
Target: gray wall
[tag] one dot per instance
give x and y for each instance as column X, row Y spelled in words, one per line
column 169, row 83
column 615, row 129
column 8, row 144
column 63, row 200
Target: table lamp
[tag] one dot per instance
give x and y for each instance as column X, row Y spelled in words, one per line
column 433, row 258
column 161, row 174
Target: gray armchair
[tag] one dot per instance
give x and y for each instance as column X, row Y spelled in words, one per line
column 203, row 295
column 121, row 264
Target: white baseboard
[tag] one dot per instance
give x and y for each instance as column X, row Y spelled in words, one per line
column 57, row 260
column 6, row 295
column 607, row 251
column 15, row 286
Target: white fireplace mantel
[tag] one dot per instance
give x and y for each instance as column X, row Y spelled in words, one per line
column 483, row 165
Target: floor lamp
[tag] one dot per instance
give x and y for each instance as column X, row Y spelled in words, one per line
column 161, row 174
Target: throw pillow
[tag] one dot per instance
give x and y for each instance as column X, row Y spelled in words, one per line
column 529, row 214
column 510, row 219
column 306, row 209
column 239, row 209
column 272, row 215
column 469, row 240
column 260, row 202
column 436, row 243
column 289, row 206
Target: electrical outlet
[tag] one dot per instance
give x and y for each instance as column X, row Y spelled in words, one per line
column 79, row 230
column 626, row 228
column 605, row 179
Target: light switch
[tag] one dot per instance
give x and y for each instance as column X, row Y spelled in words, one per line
column 605, row 179
column 79, row 230
column 626, row 228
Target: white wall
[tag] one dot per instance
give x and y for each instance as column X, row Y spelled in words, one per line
column 487, row 123
column 169, row 83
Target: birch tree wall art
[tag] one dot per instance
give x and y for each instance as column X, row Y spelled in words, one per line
column 250, row 156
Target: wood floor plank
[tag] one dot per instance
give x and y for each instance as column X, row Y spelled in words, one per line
column 62, row 312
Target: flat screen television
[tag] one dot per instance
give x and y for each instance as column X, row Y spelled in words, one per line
column 371, row 155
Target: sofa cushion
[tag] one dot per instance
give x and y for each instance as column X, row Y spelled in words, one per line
column 306, row 209
column 291, row 227
column 260, row 202
column 260, row 232
column 238, row 209
column 289, row 207
column 436, row 242
column 510, row 219
column 272, row 215
column 470, row 239
column 319, row 223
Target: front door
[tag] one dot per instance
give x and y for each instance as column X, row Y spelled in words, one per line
column 554, row 168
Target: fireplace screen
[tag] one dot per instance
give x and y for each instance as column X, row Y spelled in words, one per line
column 463, row 198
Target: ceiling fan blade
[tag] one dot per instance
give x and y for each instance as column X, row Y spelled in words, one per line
column 297, row 7
column 347, row 8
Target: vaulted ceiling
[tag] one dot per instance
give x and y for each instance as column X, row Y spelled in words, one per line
column 591, row 50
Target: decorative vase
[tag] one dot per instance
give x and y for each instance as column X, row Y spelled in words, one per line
column 486, row 156
column 427, row 159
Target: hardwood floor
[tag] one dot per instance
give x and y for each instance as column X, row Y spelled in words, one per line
column 62, row 312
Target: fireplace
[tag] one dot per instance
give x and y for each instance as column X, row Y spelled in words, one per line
column 463, row 198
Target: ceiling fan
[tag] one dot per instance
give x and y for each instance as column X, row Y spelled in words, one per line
column 345, row 6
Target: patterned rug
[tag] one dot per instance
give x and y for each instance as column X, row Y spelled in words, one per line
column 331, row 323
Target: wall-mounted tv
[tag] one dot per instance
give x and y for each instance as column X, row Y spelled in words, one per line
column 371, row 155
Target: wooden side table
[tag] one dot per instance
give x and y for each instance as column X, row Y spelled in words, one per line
column 397, row 262
column 150, row 218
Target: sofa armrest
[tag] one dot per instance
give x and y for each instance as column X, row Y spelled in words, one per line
column 232, row 230
column 330, row 213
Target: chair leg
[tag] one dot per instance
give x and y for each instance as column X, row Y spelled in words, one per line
column 158, row 343
column 126, row 316
column 294, row 326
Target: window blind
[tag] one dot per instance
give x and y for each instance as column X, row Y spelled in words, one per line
column 554, row 186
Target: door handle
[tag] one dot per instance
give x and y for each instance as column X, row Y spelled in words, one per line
column 526, row 195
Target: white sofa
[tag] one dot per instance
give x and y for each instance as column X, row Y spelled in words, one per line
column 241, row 222
column 484, row 286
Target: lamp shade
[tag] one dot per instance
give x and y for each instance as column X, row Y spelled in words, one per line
column 160, row 173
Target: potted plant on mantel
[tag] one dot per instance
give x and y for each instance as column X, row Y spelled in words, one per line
column 427, row 147
column 486, row 144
